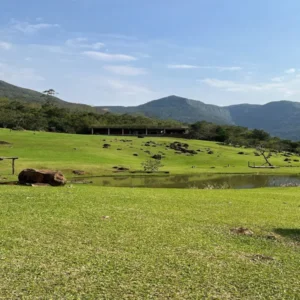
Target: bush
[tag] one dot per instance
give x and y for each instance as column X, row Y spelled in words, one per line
column 152, row 165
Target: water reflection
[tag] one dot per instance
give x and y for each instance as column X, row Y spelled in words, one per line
column 211, row 181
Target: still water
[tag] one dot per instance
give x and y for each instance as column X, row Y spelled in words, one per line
column 212, row 181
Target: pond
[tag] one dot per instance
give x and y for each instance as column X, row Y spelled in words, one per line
column 211, row 181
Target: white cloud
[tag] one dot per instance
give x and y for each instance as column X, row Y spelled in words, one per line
column 108, row 57
column 28, row 28
column 284, row 88
column 218, row 68
column 5, row 45
column 182, row 67
column 83, row 43
column 232, row 86
column 277, row 79
column 290, row 71
column 125, row 70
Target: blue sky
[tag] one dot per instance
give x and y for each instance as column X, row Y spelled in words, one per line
column 127, row 52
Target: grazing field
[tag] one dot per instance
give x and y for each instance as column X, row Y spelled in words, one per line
column 107, row 243
column 67, row 152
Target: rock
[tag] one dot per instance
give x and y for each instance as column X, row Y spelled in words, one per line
column 210, row 152
column 241, row 153
column 106, row 145
column 242, row 231
column 157, row 156
column 135, row 154
column 4, row 143
column 78, row 172
column 54, row 178
column 148, row 152
column 123, row 169
column 119, row 149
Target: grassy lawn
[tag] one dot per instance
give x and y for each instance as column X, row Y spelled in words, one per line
column 68, row 152
column 155, row 244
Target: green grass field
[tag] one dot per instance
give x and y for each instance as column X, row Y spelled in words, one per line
column 67, row 152
column 155, row 244
column 87, row 242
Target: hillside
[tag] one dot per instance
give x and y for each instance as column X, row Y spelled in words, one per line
column 178, row 108
column 281, row 118
column 13, row 92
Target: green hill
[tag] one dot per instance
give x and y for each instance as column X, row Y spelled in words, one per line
column 12, row 92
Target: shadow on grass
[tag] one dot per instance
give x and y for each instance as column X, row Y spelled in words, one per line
column 293, row 234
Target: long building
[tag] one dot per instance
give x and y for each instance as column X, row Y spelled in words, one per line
column 139, row 130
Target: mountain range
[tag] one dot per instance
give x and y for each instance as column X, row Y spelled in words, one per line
column 279, row 118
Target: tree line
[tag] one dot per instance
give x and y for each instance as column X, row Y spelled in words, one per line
column 50, row 117
column 241, row 136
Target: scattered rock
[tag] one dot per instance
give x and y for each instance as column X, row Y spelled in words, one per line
column 242, row 231
column 241, row 153
column 148, row 152
column 182, row 148
column 32, row 176
column 4, row 143
column 78, row 172
column 135, row 154
column 122, row 169
column 106, row 145
column 115, row 167
column 157, row 156
column 210, row 152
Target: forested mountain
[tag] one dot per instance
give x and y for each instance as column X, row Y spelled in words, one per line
column 178, row 108
column 281, row 118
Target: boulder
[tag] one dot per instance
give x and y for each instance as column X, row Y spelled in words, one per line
column 32, row 176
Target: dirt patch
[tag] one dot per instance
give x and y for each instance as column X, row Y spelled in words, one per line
column 242, row 231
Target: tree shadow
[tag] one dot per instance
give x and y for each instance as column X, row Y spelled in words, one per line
column 291, row 233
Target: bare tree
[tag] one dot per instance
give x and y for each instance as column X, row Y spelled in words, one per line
column 266, row 154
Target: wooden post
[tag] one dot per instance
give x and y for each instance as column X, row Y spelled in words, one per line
column 13, row 166
column 12, row 163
